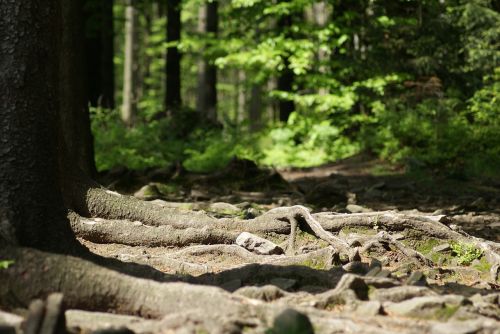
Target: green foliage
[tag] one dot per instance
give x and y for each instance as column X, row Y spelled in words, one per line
column 465, row 253
column 415, row 82
column 4, row 264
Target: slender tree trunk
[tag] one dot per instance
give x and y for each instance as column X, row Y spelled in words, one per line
column 129, row 107
column 255, row 108
column 242, row 99
column 286, row 76
column 99, row 48
column 74, row 102
column 31, row 203
column 207, row 71
column 173, row 61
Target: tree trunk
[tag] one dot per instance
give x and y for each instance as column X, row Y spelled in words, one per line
column 99, row 49
column 207, row 71
column 75, row 118
column 255, row 108
column 129, row 107
column 31, row 204
column 286, row 76
column 173, row 62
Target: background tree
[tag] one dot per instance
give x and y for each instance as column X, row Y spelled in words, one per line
column 99, row 52
column 130, row 67
column 173, row 59
column 207, row 71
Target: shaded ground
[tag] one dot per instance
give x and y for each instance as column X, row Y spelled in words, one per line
column 399, row 253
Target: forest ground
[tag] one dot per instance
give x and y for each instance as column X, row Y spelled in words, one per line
column 414, row 260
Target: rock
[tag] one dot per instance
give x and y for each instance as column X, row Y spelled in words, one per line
column 398, row 236
column 383, row 273
column 257, row 244
column 353, row 208
column 459, row 327
column 148, row 192
column 251, row 213
column 354, row 283
column 224, row 208
column 431, row 307
column 266, row 293
column 356, row 267
column 401, row 293
column 375, row 263
column 416, row 278
column 112, row 330
column 442, row 248
column 291, row 321
column 283, row 283
column 374, row 271
column 368, row 309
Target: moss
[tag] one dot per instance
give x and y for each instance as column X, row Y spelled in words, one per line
column 446, row 312
column 483, row 266
column 167, row 188
column 426, row 246
column 371, row 290
column 317, row 264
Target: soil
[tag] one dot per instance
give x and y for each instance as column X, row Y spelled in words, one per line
column 407, row 253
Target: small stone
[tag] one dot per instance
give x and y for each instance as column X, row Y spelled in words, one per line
column 148, row 192
column 283, row 283
column 375, row 263
column 257, row 244
column 374, row 271
column 354, row 283
column 266, row 293
column 353, row 208
column 398, row 236
column 401, row 293
column 442, row 247
column 113, row 330
column 368, row 309
column 427, row 307
column 356, row 267
column 416, row 278
column 383, row 273
column 291, row 321
column 224, row 208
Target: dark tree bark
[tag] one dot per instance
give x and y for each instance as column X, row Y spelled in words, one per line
column 75, row 119
column 31, row 202
column 99, row 50
column 207, row 71
column 173, row 61
column 286, row 76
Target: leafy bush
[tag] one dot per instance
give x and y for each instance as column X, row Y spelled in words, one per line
column 465, row 253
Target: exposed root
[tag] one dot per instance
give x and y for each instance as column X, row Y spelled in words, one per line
column 138, row 234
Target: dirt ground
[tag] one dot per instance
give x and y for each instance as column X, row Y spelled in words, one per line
column 406, row 253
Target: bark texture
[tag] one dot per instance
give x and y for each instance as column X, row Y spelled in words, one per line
column 75, row 118
column 207, row 71
column 173, row 66
column 129, row 106
column 29, row 145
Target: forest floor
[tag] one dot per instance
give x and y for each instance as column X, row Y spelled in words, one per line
column 420, row 255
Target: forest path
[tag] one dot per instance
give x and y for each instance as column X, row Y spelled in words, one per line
column 412, row 264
